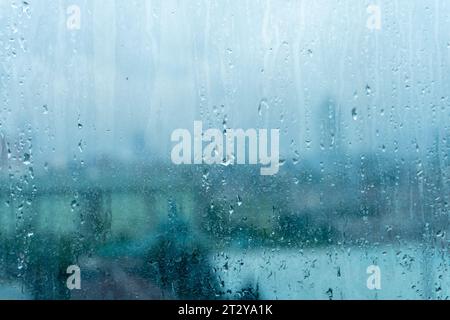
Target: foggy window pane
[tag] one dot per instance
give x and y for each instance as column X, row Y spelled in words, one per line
column 260, row 149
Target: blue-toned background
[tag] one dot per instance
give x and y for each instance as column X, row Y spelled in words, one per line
column 90, row 92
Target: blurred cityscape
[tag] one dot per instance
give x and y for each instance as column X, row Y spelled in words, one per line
column 159, row 231
column 90, row 92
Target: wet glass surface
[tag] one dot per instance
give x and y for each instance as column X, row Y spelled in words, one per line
column 97, row 202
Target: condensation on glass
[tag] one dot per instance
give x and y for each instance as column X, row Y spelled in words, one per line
column 91, row 205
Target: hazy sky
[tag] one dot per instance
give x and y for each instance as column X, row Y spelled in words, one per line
column 136, row 70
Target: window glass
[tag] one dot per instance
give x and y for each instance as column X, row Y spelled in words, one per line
column 263, row 149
